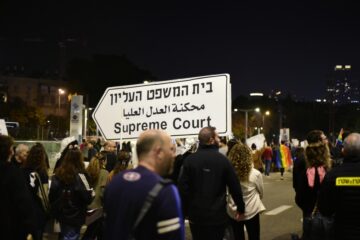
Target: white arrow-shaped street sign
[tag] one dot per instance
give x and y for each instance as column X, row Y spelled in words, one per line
column 180, row 107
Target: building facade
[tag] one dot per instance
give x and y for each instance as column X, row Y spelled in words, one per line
column 341, row 88
column 49, row 95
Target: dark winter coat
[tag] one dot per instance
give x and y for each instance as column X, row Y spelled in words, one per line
column 17, row 216
column 69, row 201
column 306, row 196
column 41, row 215
column 202, row 184
column 343, row 200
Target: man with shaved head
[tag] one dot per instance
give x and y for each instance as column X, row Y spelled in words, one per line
column 127, row 192
column 202, row 184
column 340, row 191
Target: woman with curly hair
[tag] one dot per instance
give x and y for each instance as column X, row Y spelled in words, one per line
column 98, row 178
column 36, row 175
column 252, row 188
column 70, row 194
column 318, row 162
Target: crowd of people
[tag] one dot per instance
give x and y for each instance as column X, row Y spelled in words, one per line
column 216, row 184
column 35, row 196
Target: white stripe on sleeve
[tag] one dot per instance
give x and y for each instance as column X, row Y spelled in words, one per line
column 169, row 228
column 168, row 222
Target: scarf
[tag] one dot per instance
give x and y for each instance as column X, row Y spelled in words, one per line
column 310, row 173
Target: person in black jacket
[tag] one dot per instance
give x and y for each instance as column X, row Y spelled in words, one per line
column 35, row 165
column 110, row 150
column 17, row 217
column 309, row 177
column 70, row 194
column 340, row 193
column 202, row 184
column 299, row 166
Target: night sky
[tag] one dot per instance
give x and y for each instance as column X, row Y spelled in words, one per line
column 292, row 46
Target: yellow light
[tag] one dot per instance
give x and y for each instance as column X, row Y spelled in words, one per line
column 61, row 91
column 256, row 94
column 338, row 67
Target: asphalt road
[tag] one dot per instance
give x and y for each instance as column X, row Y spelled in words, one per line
column 279, row 194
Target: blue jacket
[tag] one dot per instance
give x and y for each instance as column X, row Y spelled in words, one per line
column 125, row 196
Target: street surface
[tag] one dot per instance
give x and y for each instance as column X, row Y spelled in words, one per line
column 282, row 217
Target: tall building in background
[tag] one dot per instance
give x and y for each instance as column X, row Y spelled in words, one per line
column 341, row 88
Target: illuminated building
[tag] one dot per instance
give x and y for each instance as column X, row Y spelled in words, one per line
column 341, row 88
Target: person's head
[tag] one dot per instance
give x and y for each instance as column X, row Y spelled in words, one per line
column 122, row 164
column 72, row 164
column 209, row 136
column 45, row 153
column 317, row 152
column 223, row 141
column 36, row 159
column 91, row 144
column 97, row 162
column 253, row 146
column 156, row 151
column 352, row 145
column 110, row 146
column 124, row 157
column 240, row 157
column 315, row 136
column 299, row 153
column 230, row 144
column 21, row 153
column 6, row 149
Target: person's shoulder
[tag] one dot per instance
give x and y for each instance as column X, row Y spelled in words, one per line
column 335, row 172
column 11, row 170
column 255, row 172
column 136, row 175
column 104, row 173
column 169, row 190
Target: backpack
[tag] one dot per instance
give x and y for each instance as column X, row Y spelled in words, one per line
column 70, row 206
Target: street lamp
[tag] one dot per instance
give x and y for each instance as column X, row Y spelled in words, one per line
column 267, row 113
column 86, row 119
column 61, row 92
column 246, row 117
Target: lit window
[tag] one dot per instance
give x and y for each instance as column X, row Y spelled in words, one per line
column 338, row 67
